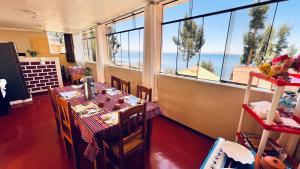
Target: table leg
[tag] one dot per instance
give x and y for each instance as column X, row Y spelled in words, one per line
column 75, row 139
column 149, row 133
column 75, row 148
column 99, row 161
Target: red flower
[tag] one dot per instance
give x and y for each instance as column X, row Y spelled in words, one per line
column 280, row 59
column 296, row 64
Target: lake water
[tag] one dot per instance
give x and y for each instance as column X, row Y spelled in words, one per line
column 168, row 62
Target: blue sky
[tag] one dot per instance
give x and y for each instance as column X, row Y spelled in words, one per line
column 215, row 27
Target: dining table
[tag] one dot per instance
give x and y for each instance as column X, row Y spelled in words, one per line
column 93, row 128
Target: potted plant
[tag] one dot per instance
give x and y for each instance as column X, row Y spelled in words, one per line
column 32, row 53
column 87, row 71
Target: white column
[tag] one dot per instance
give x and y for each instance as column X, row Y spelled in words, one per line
column 152, row 49
column 101, row 52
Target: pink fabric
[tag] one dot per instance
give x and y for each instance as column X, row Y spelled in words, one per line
column 92, row 130
column 75, row 70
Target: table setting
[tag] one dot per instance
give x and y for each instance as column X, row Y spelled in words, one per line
column 97, row 117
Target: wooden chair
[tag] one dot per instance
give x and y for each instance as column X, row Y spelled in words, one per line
column 67, row 129
column 147, row 92
column 115, row 82
column 132, row 136
column 125, row 86
column 54, row 108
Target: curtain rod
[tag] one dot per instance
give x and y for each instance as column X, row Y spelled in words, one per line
column 124, row 16
column 129, row 14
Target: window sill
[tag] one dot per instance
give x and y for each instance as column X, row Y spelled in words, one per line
column 216, row 83
column 89, row 62
column 128, row 68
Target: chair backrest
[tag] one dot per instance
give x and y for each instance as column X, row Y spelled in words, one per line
column 144, row 93
column 52, row 98
column 115, row 82
column 64, row 108
column 132, row 124
column 125, row 86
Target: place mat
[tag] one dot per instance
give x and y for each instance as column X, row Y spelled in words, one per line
column 88, row 109
column 70, row 94
column 111, row 119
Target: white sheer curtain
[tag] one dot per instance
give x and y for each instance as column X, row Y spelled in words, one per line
column 152, row 41
column 101, row 52
column 78, row 48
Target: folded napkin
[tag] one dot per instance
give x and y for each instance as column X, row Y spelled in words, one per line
column 112, row 91
column 70, row 94
column 88, row 109
column 111, row 118
column 77, row 86
column 132, row 100
column 2, row 87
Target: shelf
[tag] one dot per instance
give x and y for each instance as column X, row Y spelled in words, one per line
column 295, row 79
column 273, row 127
column 243, row 141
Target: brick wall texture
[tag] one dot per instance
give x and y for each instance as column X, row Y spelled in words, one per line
column 38, row 77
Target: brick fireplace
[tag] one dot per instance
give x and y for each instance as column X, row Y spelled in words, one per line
column 39, row 73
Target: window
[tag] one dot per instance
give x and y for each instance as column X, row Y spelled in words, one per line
column 89, row 45
column 226, row 40
column 56, row 42
column 125, row 41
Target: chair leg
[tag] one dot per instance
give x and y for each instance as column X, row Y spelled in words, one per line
column 144, row 155
column 122, row 163
column 104, row 157
column 57, row 126
column 66, row 147
column 76, row 156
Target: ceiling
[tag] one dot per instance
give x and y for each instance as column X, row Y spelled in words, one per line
column 62, row 15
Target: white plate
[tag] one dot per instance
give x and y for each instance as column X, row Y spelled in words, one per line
column 238, row 152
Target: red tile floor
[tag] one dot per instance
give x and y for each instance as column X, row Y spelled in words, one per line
column 28, row 140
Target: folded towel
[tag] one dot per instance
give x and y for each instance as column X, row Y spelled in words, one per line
column 3, row 83
column 263, row 108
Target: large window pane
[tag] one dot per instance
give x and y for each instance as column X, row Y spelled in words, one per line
column 212, row 52
column 189, row 45
column 125, row 42
column 117, row 54
column 180, row 9
column 286, row 30
column 169, row 48
column 141, row 47
column 176, row 10
column 93, row 41
column 123, row 25
column 134, row 49
column 56, row 42
column 90, row 51
column 125, row 49
column 85, row 49
column 248, row 45
column 89, row 45
column 208, row 6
